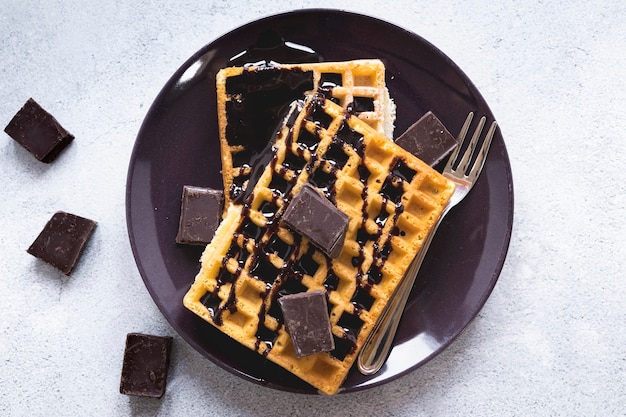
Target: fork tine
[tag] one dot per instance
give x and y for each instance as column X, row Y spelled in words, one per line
column 467, row 156
column 482, row 156
column 460, row 139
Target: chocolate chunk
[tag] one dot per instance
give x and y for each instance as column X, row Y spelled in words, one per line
column 314, row 216
column 306, row 318
column 428, row 139
column 38, row 131
column 200, row 214
column 146, row 361
column 62, row 240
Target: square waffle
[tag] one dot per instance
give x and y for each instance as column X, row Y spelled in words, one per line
column 250, row 99
column 392, row 200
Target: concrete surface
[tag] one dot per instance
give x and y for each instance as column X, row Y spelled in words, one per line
column 549, row 341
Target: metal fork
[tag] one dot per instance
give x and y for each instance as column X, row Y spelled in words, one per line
column 377, row 346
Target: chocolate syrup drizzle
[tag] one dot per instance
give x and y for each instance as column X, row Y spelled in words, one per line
column 288, row 278
column 262, row 110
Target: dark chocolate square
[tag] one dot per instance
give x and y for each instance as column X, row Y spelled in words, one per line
column 307, row 321
column 38, row 131
column 315, row 217
column 428, row 139
column 62, row 240
column 145, row 366
column 200, row 214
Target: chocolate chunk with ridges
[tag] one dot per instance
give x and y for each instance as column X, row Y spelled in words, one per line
column 38, row 131
column 428, row 139
column 315, row 217
column 146, row 361
column 307, row 321
column 62, row 240
column 200, row 214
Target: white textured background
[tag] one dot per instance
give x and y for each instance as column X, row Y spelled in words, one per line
column 549, row 341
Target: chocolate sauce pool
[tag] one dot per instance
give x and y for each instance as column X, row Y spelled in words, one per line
column 261, row 96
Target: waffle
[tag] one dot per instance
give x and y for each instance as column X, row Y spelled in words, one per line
column 392, row 200
column 249, row 100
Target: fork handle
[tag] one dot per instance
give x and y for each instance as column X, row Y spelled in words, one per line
column 377, row 346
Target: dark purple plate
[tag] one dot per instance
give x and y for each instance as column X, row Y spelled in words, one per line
column 178, row 145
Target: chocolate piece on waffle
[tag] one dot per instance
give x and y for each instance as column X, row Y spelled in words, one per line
column 428, row 139
column 315, row 217
column 251, row 98
column 392, row 200
column 307, row 322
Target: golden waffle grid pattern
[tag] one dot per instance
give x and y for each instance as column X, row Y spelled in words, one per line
column 392, row 199
column 358, row 85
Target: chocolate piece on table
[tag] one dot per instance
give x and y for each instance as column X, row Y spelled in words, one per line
column 146, row 361
column 315, row 217
column 307, row 321
column 62, row 240
column 428, row 139
column 200, row 214
column 38, row 131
